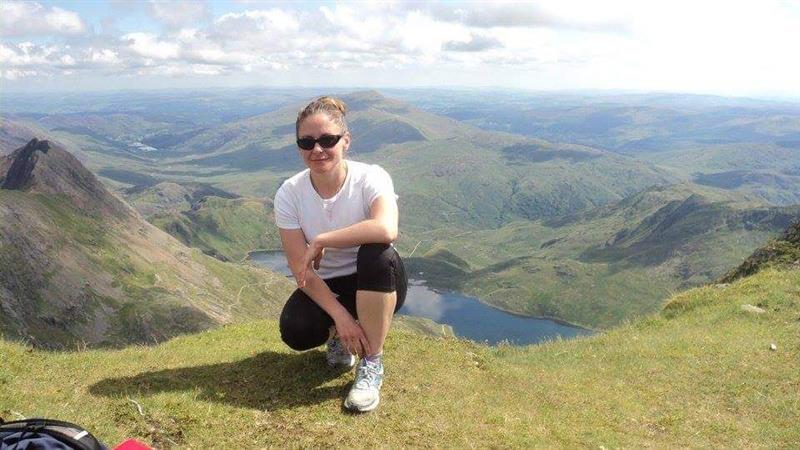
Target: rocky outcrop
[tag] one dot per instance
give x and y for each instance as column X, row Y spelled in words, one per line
column 43, row 167
column 784, row 251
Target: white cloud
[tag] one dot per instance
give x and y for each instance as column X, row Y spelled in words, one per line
column 26, row 54
column 548, row 44
column 476, row 43
column 19, row 18
column 149, row 45
column 103, row 56
column 16, row 74
column 259, row 23
column 179, row 13
column 603, row 16
column 67, row 60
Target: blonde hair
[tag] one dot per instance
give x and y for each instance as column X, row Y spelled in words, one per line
column 332, row 107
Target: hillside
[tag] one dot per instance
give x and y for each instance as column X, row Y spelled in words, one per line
column 435, row 160
column 622, row 122
column 168, row 197
column 78, row 266
column 227, row 229
column 602, row 266
column 740, row 144
column 699, row 374
column 629, row 254
column 783, row 251
column 447, row 173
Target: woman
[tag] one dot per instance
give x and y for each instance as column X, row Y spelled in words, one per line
column 337, row 221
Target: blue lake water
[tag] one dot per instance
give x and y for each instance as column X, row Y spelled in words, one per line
column 469, row 317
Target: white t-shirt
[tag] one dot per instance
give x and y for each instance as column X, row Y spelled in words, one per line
column 299, row 206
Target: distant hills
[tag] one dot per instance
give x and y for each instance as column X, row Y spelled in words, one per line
column 527, row 200
column 601, row 266
column 447, row 173
column 166, row 196
column 78, row 266
column 740, row 144
column 556, row 227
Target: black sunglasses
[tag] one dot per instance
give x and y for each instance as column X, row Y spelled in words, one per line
column 325, row 141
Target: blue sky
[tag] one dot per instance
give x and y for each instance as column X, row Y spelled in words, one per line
column 720, row 47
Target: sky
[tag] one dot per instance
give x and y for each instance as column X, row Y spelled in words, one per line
column 740, row 48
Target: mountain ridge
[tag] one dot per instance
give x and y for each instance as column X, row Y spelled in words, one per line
column 46, row 168
column 79, row 265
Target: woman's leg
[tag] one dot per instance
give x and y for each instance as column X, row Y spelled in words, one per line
column 381, row 291
column 303, row 324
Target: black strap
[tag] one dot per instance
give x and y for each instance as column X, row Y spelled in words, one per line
column 44, row 427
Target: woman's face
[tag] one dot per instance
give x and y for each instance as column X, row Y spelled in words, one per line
column 322, row 160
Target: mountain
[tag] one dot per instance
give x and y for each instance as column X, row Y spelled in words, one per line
column 448, row 174
column 605, row 265
column 43, row 168
column 768, row 171
column 225, row 228
column 625, row 123
column 166, row 196
column 708, row 370
column 750, row 146
column 525, row 223
column 78, row 265
column 435, row 160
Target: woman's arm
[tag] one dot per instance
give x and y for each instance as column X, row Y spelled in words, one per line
column 380, row 227
column 351, row 334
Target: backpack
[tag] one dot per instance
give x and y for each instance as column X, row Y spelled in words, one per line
column 46, row 434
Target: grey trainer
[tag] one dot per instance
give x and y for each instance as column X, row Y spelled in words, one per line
column 366, row 391
column 338, row 356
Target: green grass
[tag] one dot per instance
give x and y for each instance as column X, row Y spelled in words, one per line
column 700, row 374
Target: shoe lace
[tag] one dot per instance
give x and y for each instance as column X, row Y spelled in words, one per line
column 368, row 374
column 335, row 346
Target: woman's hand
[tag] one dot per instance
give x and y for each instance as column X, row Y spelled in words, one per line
column 311, row 257
column 352, row 335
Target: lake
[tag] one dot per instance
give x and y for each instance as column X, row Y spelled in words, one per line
column 469, row 317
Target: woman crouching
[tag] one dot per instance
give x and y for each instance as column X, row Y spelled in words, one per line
column 337, row 221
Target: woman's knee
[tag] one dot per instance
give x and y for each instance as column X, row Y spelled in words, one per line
column 377, row 267
column 303, row 324
column 374, row 258
column 300, row 335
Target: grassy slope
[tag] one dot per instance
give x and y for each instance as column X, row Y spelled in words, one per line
column 699, row 374
column 229, row 228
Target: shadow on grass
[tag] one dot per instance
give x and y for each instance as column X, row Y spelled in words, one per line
column 267, row 381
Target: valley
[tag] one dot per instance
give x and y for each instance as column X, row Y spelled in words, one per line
column 581, row 222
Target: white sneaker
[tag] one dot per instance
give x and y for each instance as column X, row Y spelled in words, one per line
column 366, row 391
column 338, row 356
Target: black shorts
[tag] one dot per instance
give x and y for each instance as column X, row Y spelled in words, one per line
column 304, row 325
